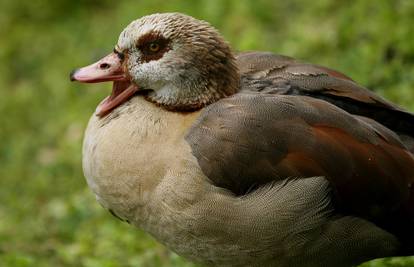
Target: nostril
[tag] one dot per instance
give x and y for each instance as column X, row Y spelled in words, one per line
column 104, row 66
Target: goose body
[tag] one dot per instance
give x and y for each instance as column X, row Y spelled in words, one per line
column 258, row 160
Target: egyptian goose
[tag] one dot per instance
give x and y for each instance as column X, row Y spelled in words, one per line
column 248, row 160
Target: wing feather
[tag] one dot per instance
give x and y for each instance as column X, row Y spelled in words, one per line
column 248, row 140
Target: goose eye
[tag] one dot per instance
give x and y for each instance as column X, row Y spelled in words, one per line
column 154, row 47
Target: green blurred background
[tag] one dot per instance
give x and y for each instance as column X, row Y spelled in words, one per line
column 48, row 217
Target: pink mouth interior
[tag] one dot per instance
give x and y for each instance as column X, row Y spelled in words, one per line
column 122, row 91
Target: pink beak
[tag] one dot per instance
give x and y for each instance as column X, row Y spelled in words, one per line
column 107, row 69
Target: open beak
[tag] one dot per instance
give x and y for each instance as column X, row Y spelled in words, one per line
column 107, row 69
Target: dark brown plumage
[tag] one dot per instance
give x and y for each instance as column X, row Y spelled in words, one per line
column 266, row 72
column 291, row 120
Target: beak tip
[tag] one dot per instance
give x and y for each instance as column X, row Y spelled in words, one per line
column 72, row 75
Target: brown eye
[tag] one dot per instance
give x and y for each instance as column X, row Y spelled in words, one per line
column 154, row 47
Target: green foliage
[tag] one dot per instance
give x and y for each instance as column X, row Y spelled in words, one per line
column 48, row 217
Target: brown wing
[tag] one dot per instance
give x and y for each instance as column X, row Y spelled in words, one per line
column 247, row 140
column 266, row 72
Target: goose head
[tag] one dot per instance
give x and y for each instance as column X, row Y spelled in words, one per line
column 173, row 60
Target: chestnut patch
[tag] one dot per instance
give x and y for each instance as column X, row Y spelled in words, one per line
column 152, row 46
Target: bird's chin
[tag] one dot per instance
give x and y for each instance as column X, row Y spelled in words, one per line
column 122, row 91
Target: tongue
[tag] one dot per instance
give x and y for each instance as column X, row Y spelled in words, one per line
column 121, row 93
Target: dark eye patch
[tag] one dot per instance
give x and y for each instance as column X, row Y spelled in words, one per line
column 146, row 44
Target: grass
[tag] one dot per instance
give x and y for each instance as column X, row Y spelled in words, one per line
column 48, row 217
